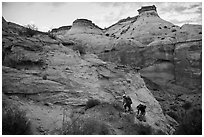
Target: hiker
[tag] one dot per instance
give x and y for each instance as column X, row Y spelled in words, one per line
column 127, row 103
column 141, row 109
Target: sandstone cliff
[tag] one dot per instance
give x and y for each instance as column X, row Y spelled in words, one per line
column 168, row 57
column 39, row 72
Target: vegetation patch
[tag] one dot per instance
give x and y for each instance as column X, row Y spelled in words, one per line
column 191, row 124
column 144, row 129
column 91, row 103
column 14, row 120
column 86, row 126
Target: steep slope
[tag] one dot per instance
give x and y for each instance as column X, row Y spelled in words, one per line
column 43, row 76
column 168, row 57
column 145, row 28
column 151, row 44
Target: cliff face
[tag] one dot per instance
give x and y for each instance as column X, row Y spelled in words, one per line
column 149, row 43
column 42, row 75
column 161, row 51
column 147, row 9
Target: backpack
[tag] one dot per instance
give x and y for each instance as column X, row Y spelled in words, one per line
column 129, row 101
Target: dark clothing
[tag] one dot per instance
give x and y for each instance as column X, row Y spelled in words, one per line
column 141, row 109
column 127, row 106
column 127, row 103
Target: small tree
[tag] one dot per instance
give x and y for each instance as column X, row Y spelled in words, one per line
column 31, row 30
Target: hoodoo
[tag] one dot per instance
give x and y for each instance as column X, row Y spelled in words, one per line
column 147, row 8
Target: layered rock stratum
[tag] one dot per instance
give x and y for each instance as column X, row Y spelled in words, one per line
column 154, row 61
column 41, row 69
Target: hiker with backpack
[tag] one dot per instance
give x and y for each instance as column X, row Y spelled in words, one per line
column 127, row 103
column 141, row 110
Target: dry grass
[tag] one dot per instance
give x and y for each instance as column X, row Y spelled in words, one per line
column 14, row 120
column 86, row 126
column 191, row 123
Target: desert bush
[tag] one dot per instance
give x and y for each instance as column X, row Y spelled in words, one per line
column 187, row 106
column 30, row 30
column 144, row 129
column 91, row 103
column 14, row 121
column 174, row 30
column 173, row 107
column 86, row 126
column 191, row 124
column 44, row 77
column 79, row 48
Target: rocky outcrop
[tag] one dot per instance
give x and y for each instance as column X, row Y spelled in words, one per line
column 88, row 34
column 61, row 29
column 147, row 8
column 188, row 64
column 161, row 61
column 155, row 51
column 145, row 28
column 64, row 77
column 50, row 71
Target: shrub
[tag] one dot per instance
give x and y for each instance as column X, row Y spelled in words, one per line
column 191, row 124
column 173, row 107
column 45, row 77
column 174, row 30
column 165, row 27
column 144, row 129
column 91, row 103
column 14, row 121
column 86, row 126
column 187, row 106
column 31, row 30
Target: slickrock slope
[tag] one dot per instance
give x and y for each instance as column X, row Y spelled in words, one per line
column 43, row 76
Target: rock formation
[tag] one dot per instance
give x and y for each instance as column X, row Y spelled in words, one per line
column 39, row 70
column 88, row 34
column 167, row 56
column 147, row 8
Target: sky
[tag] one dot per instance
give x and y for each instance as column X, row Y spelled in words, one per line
column 49, row 15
